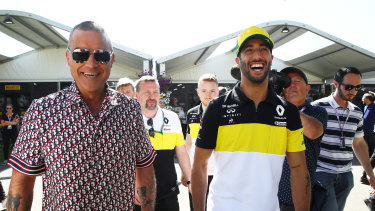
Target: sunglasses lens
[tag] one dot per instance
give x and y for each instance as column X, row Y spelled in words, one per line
column 102, row 56
column 150, row 122
column 151, row 132
column 80, row 55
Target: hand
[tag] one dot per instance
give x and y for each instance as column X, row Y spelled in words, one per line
column 137, row 201
column 184, row 181
column 371, row 180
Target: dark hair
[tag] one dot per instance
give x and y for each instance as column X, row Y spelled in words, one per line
column 339, row 75
column 90, row 26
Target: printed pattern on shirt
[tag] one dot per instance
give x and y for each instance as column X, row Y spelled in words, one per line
column 334, row 157
column 88, row 162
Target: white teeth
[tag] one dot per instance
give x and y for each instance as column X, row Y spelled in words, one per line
column 257, row 66
column 90, row 74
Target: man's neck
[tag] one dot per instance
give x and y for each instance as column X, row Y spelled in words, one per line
column 342, row 103
column 149, row 113
column 204, row 107
column 255, row 92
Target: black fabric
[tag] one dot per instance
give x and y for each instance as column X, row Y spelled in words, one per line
column 165, row 173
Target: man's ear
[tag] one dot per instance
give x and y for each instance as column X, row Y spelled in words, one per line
column 67, row 57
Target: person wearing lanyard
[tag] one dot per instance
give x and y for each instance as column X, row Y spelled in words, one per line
column 344, row 134
column 165, row 132
column 9, row 121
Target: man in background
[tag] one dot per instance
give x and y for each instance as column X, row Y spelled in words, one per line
column 164, row 130
column 207, row 90
column 314, row 122
column 126, row 87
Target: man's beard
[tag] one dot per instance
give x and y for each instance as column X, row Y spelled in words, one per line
column 245, row 69
column 150, row 107
column 342, row 95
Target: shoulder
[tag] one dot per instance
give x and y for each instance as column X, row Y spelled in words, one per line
column 193, row 110
column 170, row 114
column 322, row 102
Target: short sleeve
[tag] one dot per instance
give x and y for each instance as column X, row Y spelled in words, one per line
column 27, row 157
column 207, row 135
column 295, row 141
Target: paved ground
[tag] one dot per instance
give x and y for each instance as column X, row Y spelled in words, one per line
column 354, row 202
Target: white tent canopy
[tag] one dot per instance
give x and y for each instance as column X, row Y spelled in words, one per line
column 319, row 65
column 48, row 41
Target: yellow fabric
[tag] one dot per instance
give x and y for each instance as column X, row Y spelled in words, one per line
column 194, row 129
column 254, row 137
column 167, row 141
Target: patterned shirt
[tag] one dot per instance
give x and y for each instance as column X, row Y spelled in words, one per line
column 311, row 154
column 343, row 125
column 88, row 162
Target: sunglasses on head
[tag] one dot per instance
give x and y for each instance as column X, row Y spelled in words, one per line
column 349, row 87
column 151, row 131
column 81, row 55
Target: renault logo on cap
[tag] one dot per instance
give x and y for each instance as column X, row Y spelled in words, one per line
column 280, row 110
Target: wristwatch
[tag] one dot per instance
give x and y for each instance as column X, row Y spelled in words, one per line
column 188, row 182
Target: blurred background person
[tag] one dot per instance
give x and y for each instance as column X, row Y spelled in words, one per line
column 9, row 121
column 162, row 102
column 126, row 87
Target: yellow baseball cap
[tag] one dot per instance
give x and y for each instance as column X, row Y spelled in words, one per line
column 252, row 33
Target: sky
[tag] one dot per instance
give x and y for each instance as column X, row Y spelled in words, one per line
column 163, row 27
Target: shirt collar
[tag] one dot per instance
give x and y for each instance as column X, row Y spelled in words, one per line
column 157, row 120
column 240, row 97
column 335, row 105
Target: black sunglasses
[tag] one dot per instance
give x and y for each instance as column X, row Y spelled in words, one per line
column 151, row 131
column 81, row 55
column 349, row 87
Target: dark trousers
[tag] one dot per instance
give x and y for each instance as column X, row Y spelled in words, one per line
column 370, row 140
column 9, row 138
column 165, row 204
column 208, row 189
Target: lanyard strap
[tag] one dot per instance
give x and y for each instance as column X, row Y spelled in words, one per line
column 342, row 138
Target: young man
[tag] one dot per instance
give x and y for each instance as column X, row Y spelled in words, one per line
column 126, row 87
column 83, row 138
column 207, row 90
column 343, row 135
column 164, row 129
column 251, row 130
column 314, row 122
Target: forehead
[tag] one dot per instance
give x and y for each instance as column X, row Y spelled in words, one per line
column 352, row 79
column 89, row 39
column 148, row 85
column 296, row 76
column 207, row 84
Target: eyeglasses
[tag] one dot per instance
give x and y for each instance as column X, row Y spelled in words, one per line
column 349, row 87
column 162, row 102
column 81, row 55
column 151, row 131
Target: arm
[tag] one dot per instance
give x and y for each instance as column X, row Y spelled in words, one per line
column 21, row 189
column 146, row 187
column 184, row 162
column 361, row 151
column 199, row 177
column 312, row 128
column 299, row 180
column 188, row 143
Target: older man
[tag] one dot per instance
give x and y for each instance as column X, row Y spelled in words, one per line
column 314, row 122
column 88, row 140
column 165, row 132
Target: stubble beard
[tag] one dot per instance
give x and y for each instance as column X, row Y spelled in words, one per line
column 245, row 69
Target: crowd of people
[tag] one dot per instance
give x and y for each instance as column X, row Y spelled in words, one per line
column 245, row 149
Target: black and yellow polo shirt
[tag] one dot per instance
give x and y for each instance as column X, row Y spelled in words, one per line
column 250, row 146
column 168, row 135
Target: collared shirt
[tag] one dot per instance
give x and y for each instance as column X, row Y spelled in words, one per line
column 369, row 117
column 88, row 162
column 335, row 158
column 311, row 154
column 250, row 146
column 168, row 135
column 193, row 119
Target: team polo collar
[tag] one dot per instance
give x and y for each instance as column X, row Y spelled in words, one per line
column 240, row 97
column 335, row 105
column 306, row 105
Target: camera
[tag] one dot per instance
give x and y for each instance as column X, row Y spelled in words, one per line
column 278, row 81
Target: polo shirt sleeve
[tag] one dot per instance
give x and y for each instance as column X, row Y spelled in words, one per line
column 359, row 132
column 145, row 151
column 207, row 135
column 27, row 156
column 295, row 141
column 180, row 141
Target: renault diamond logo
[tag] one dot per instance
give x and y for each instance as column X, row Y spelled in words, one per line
column 280, row 110
column 231, row 110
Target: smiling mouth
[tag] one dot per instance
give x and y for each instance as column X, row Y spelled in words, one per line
column 91, row 75
column 257, row 67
